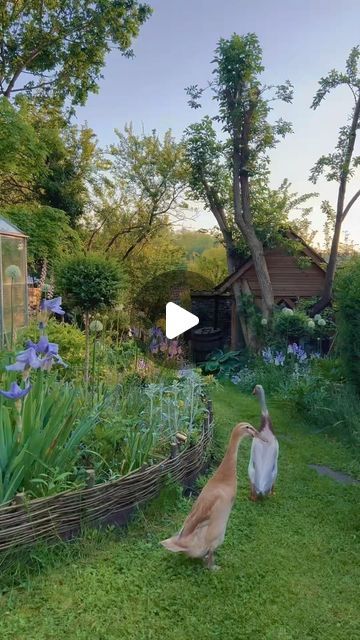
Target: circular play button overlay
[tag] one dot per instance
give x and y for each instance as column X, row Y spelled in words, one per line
column 166, row 316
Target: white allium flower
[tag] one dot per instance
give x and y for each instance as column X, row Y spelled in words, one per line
column 311, row 324
column 13, row 272
column 96, row 326
column 321, row 322
column 288, row 311
column 264, row 322
column 317, row 317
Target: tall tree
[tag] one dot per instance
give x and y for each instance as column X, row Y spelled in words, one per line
column 58, row 47
column 340, row 165
column 144, row 194
column 244, row 104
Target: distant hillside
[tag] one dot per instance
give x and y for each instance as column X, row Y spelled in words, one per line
column 194, row 243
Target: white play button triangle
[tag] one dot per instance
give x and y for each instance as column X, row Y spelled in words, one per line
column 178, row 320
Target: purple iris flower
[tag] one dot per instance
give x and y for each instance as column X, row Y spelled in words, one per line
column 279, row 359
column 44, row 346
column 267, row 355
column 16, row 392
column 154, row 347
column 53, row 306
column 25, row 360
column 48, row 361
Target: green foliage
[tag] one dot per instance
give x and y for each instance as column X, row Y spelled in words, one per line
column 70, row 339
column 91, row 283
column 290, row 325
column 142, row 421
column 224, row 364
column 45, row 437
column 58, row 48
column 50, row 236
column 22, row 155
column 211, row 264
column 141, row 194
column 341, row 163
column 194, row 243
column 347, row 300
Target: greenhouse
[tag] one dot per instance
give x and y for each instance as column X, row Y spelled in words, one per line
column 13, row 280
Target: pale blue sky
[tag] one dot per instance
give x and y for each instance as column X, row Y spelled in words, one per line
column 301, row 39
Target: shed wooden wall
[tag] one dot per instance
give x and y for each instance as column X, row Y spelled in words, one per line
column 287, row 278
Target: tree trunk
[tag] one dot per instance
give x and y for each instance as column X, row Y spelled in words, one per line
column 244, row 221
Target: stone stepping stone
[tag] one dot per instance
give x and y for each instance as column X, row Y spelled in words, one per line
column 338, row 476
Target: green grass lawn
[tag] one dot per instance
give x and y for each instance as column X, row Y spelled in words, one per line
column 290, row 564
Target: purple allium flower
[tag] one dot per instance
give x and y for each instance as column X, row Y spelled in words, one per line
column 53, row 306
column 142, row 364
column 15, row 393
column 25, row 360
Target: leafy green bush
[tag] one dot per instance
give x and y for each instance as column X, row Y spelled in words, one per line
column 90, row 283
column 69, row 337
column 347, row 300
column 290, row 325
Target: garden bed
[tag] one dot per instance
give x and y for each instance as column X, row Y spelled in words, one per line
column 63, row 515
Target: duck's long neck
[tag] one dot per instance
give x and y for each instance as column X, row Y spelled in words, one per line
column 227, row 468
column 263, row 405
column 265, row 418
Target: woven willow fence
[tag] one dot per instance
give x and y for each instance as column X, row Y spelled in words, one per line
column 63, row 515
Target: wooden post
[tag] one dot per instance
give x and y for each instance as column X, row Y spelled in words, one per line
column 174, row 450
column 20, row 498
column 90, row 478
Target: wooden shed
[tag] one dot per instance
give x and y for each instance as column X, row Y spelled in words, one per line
column 291, row 281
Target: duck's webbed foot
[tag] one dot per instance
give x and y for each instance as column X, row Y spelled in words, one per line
column 272, row 491
column 209, row 562
column 253, row 494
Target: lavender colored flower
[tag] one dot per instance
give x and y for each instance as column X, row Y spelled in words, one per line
column 53, row 306
column 268, row 355
column 16, row 392
column 279, row 359
column 154, row 347
column 27, row 359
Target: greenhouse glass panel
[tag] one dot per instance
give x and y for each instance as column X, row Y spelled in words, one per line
column 13, row 280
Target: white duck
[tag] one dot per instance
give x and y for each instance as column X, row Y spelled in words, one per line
column 264, row 453
column 204, row 528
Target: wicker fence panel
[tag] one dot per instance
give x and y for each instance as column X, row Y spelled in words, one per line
column 63, row 515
